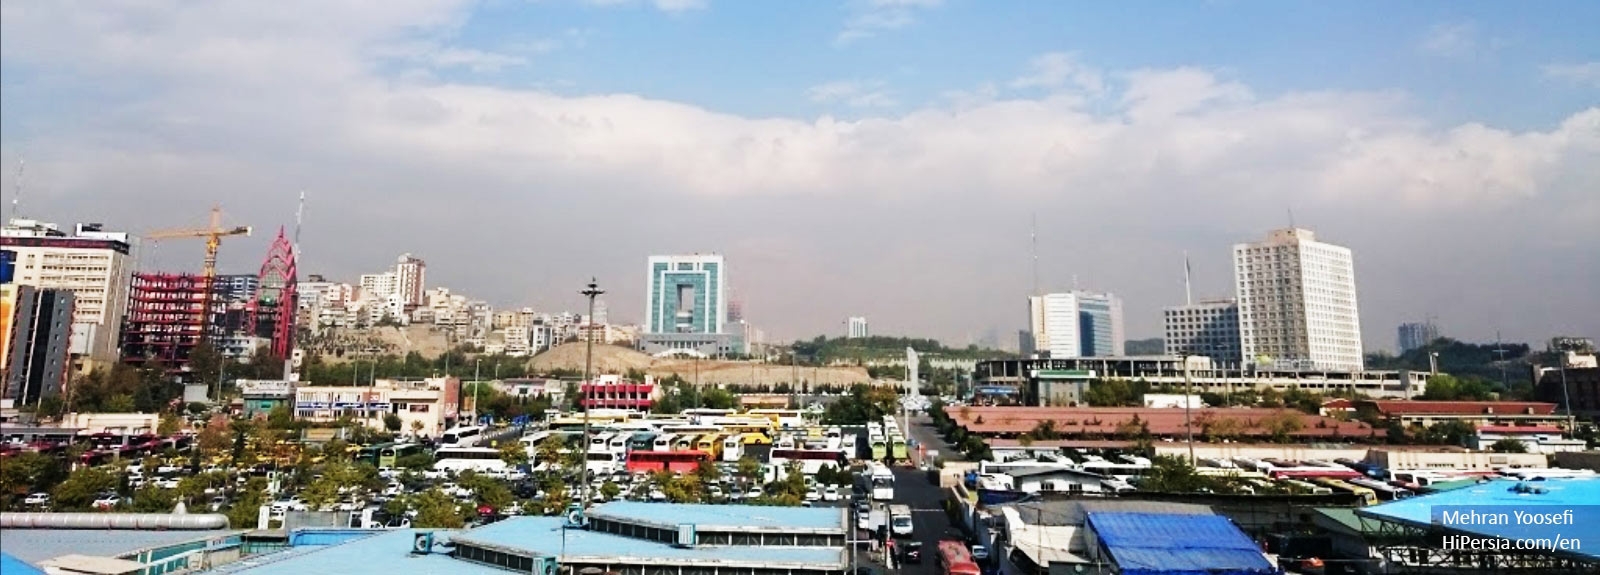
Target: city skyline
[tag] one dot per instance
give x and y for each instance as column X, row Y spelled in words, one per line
column 834, row 184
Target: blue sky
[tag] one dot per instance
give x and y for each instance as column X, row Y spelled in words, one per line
column 862, row 157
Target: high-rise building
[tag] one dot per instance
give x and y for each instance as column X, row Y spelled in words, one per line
column 1297, row 303
column 1074, row 324
column 1053, row 320
column 272, row 310
column 410, row 274
column 91, row 263
column 1417, row 335
column 686, row 294
column 36, row 360
column 165, row 320
column 1207, row 328
column 858, row 327
column 8, row 266
column 686, row 307
column 1099, row 324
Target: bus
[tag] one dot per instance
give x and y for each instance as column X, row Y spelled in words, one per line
column 1384, row 491
column 370, row 453
column 732, row 447
column 391, row 453
column 1309, row 487
column 783, row 418
column 642, row 441
column 684, row 441
column 955, row 559
column 882, row 482
column 664, row 442
column 880, row 447
column 463, row 436
column 1368, row 496
column 674, row 461
column 711, row 443
column 600, row 442
column 458, row 459
column 755, row 438
column 897, row 447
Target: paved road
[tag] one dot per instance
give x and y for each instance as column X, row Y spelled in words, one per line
column 928, row 519
column 922, row 430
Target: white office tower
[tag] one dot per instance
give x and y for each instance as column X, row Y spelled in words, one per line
column 1297, row 303
column 410, row 279
column 1053, row 321
column 858, row 327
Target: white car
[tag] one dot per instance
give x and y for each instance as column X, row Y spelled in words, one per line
column 37, row 499
column 814, row 495
column 830, row 493
column 657, row 495
column 715, row 492
column 106, row 501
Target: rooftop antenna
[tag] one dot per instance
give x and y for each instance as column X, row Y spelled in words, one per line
column 16, row 197
column 299, row 217
column 1188, row 293
column 1033, row 239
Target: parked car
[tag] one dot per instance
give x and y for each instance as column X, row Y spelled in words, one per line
column 910, row 551
column 106, row 501
column 37, row 499
column 980, row 553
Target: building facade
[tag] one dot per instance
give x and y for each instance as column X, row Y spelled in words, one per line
column 857, row 327
column 91, row 263
column 164, row 321
column 687, row 294
column 611, row 391
column 1297, row 303
column 1208, row 328
column 1099, row 324
column 410, row 275
column 1053, row 326
column 1416, row 335
column 425, row 407
column 37, row 360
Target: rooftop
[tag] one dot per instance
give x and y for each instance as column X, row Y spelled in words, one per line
column 35, row 545
column 723, row 517
column 387, row 552
column 1154, row 543
column 544, row 536
column 1501, row 496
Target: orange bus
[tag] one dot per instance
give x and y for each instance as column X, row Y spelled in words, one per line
column 955, row 559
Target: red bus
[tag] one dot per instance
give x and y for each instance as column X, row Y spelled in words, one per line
column 955, row 559
column 674, row 461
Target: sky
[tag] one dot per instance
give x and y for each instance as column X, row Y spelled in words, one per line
column 881, row 158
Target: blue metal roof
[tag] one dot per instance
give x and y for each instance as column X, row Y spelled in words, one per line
column 1167, row 544
column 543, row 535
column 386, row 553
column 35, row 545
column 724, row 517
column 1580, row 495
column 14, row 566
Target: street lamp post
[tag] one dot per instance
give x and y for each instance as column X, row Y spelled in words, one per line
column 1188, row 394
column 591, row 291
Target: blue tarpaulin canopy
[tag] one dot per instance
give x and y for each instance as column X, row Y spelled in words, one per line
column 1166, row 544
column 13, row 566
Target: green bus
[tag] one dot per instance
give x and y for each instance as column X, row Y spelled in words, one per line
column 370, row 454
column 897, row 447
column 394, row 452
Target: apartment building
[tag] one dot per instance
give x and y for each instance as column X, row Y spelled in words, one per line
column 91, row 263
column 1297, row 303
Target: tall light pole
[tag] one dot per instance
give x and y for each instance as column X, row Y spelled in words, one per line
column 1188, row 394
column 591, row 291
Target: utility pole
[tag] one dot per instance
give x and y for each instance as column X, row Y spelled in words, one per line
column 591, row 291
column 1188, row 393
column 477, row 382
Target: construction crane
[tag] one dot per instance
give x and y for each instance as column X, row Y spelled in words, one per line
column 213, row 236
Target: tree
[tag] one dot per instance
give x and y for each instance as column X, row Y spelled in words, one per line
column 1281, row 424
column 28, row 472
column 280, row 417
column 416, row 428
column 243, row 513
column 392, row 422
column 548, row 451
column 1444, row 387
column 152, row 499
column 214, row 438
column 415, row 461
column 486, row 490
column 1508, row 445
column 610, row 490
column 435, row 510
column 749, row 470
column 514, row 453
column 81, row 487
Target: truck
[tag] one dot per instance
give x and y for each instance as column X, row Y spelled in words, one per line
column 900, row 524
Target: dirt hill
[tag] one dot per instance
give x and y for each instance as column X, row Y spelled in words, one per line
column 614, row 359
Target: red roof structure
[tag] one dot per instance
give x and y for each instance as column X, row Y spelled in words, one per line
column 1516, row 429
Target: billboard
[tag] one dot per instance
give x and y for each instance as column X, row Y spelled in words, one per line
column 8, row 304
column 265, row 387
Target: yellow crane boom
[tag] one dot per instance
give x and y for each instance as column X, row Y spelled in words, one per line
column 213, row 236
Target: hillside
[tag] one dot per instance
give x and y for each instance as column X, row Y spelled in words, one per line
column 614, row 359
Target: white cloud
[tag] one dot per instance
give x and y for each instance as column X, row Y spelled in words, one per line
column 1585, row 74
column 190, row 106
column 878, row 16
column 662, row 5
column 856, row 94
column 1058, row 69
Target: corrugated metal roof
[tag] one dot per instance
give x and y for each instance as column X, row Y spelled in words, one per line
column 1582, row 493
column 35, row 545
column 543, row 535
column 728, row 517
column 387, row 553
column 1074, row 512
column 1168, row 544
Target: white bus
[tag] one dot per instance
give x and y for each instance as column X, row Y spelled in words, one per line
column 733, row 447
column 664, row 442
column 463, row 436
column 458, row 459
column 881, row 479
column 785, row 418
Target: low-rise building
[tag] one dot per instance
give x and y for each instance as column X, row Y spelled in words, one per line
column 1534, row 438
column 260, row 396
column 1473, row 413
column 1063, row 381
column 425, row 407
column 611, row 391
